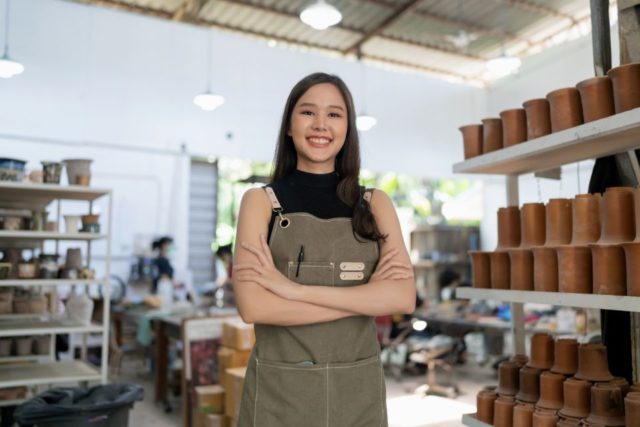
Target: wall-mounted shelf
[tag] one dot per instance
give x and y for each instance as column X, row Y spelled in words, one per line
column 16, row 329
column 47, row 373
column 50, row 282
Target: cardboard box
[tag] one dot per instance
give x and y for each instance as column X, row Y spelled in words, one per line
column 215, row 420
column 230, row 358
column 234, row 380
column 238, row 335
column 210, row 399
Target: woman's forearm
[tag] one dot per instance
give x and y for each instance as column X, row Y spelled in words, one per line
column 377, row 298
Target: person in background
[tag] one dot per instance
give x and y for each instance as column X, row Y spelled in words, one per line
column 161, row 265
column 224, row 269
column 449, row 281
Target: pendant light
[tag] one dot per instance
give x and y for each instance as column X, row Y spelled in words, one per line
column 364, row 121
column 208, row 101
column 8, row 67
column 320, row 15
column 504, row 64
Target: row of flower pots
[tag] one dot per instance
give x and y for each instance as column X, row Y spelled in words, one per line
column 590, row 100
column 564, row 384
column 588, row 244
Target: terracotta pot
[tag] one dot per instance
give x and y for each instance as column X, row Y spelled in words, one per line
column 21, row 305
column 551, row 391
column 574, row 269
column 500, row 270
column 472, row 137
column 626, row 86
column 592, row 363
column 609, row 271
column 565, row 356
column 565, row 108
column 491, row 135
column 577, row 398
column 596, row 97
column 522, row 359
column 529, row 385
column 616, row 216
column 558, row 224
column 545, row 270
column 632, row 251
column 503, row 411
column 514, row 126
column 23, row 346
column 634, row 388
column 83, row 180
column 607, row 405
column 632, row 409
column 521, row 267
column 586, row 219
column 622, row 383
column 538, row 118
column 77, row 167
column 508, row 378
column 532, row 225
column 541, row 351
column 5, row 346
column 523, row 415
column 484, row 403
column 73, row 259
column 42, row 344
column 636, row 213
column 508, row 227
column 568, row 422
column 481, row 269
column 544, row 418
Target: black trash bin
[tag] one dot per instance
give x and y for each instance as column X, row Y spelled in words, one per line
column 99, row 406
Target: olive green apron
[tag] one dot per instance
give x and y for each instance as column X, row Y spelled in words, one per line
column 325, row 374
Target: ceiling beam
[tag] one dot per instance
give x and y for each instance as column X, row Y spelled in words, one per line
column 539, row 9
column 386, row 23
column 188, row 10
column 431, row 70
column 429, row 46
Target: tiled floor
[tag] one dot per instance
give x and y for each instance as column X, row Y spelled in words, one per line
column 405, row 408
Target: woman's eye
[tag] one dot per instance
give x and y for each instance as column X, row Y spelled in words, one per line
column 306, row 112
column 335, row 115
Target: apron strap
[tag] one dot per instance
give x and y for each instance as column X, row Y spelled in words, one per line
column 275, row 204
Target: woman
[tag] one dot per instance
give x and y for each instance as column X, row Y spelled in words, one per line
column 334, row 260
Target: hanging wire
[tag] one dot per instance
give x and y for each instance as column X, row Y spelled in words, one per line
column 578, row 173
column 208, row 60
column 539, row 190
column 363, row 83
column 6, row 28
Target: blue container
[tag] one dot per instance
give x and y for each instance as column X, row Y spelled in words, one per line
column 14, row 164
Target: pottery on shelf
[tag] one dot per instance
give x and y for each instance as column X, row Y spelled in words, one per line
column 592, row 363
column 51, row 172
column 514, row 126
column 484, row 403
column 565, row 356
column 596, row 96
column 545, row 269
column 481, row 269
column 609, row 270
column 472, row 140
column 568, row 422
column 491, row 135
column 616, row 216
column 626, row 86
column 503, row 411
column 542, row 347
column 522, row 359
column 632, row 409
column 71, row 223
column 500, row 270
column 551, row 396
column 586, row 219
column 607, row 405
column 508, row 227
column 77, row 167
column 508, row 378
column 529, row 384
column 559, row 224
column 634, row 388
column 574, row 269
column 545, row 418
column 523, row 415
column 73, row 259
column 622, row 383
column 538, row 118
column 532, row 225
column 577, row 398
column 565, row 108
column 521, row 269
column 632, row 252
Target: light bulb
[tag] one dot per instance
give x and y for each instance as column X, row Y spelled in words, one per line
column 320, row 15
column 364, row 122
column 208, row 101
column 9, row 67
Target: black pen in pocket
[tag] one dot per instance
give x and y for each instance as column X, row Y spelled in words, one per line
column 300, row 259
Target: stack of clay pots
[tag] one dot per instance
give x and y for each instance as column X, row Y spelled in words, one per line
column 588, row 244
column 591, row 99
column 563, row 383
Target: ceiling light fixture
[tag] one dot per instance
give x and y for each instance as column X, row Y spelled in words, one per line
column 208, row 101
column 504, row 65
column 320, row 15
column 8, row 67
column 364, row 122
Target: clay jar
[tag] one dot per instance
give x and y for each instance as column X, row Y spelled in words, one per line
column 484, row 403
column 472, row 140
column 565, row 356
column 542, row 346
column 503, row 411
column 500, row 270
column 551, row 396
column 523, row 415
column 622, row 383
column 577, row 398
column 481, row 269
column 558, row 232
column 529, row 385
column 634, row 388
column 522, row 359
column 568, row 422
column 596, row 96
column 574, row 269
column 586, row 219
column 616, row 216
column 532, row 233
column 592, row 363
column 632, row 409
column 607, row 405
column 626, row 86
column 632, row 252
column 543, row 418
column 514, row 126
column 609, row 270
column 508, row 227
column 508, row 378
column 491, row 135
column 538, row 118
column 565, row 108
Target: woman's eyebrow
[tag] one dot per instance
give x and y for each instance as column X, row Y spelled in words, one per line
column 310, row 104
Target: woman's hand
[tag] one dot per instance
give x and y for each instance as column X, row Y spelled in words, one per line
column 265, row 273
column 387, row 269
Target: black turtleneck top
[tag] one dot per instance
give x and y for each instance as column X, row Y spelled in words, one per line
column 311, row 193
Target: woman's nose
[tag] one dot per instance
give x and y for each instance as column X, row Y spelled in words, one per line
column 319, row 122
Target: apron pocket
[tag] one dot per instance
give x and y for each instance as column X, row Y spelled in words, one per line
column 356, row 394
column 290, row 395
column 312, row 273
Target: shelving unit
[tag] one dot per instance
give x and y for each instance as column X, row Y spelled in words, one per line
column 43, row 369
column 471, row 421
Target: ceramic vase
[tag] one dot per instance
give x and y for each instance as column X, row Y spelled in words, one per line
column 514, row 126
column 565, row 108
column 596, row 97
column 538, row 118
column 472, row 140
column 626, row 86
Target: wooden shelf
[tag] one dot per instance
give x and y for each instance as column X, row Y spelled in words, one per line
column 47, row 235
column 471, row 421
column 23, row 195
column 35, row 327
column 431, row 264
column 607, row 302
column 47, row 373
column 614, row 134
column 50, row 282
column 20, row 359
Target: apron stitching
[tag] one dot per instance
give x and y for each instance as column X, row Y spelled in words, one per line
column 380, row 398
column 327, row 402
column 255, row 402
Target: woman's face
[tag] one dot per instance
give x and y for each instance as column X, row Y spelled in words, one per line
column 319, row 127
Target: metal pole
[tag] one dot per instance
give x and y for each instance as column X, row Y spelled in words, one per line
column 517, row 311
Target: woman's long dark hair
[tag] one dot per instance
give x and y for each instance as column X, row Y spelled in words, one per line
column 347, row 161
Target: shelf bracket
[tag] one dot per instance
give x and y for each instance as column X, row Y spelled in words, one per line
column 555, row 173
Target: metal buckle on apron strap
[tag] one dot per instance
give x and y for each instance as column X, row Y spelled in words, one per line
column 284, row 221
